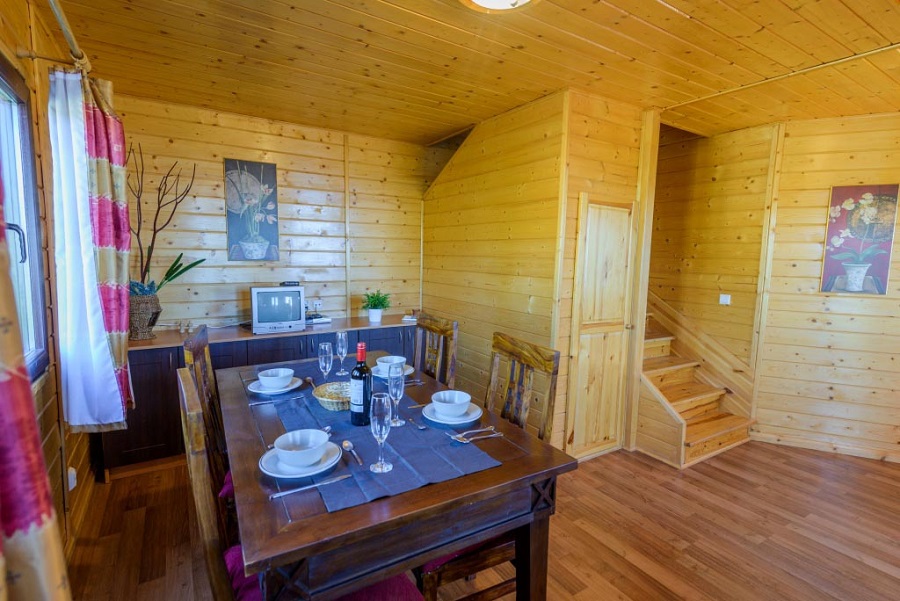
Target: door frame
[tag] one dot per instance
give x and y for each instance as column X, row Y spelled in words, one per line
column 642, row 239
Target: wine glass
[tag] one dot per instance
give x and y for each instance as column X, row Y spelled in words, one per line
column 341, row 348
column 380, row 423
column 326, row 358
column 395, row 389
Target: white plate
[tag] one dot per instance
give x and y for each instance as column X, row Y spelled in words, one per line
column 380, row 371
column 270, row 465
column 258, row 388
column 471, row 414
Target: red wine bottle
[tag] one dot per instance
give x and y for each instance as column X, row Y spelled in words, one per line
column 360, row 388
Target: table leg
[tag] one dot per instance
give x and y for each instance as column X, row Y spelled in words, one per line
column 532, row 552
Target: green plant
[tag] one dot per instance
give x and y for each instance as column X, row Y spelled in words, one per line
column 376, row 300
column 169, row 195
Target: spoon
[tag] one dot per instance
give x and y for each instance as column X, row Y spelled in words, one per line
column 419, row 426
column 348, row 446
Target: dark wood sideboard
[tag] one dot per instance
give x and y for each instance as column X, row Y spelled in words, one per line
column 154, row 425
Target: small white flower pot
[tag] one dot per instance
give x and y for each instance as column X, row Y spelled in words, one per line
column 375, row 315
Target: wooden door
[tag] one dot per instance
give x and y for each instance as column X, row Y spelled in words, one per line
column 600, row 328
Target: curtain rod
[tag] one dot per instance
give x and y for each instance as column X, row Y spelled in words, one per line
column 81, row 59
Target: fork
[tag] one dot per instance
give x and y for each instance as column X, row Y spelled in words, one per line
column 464, row 440
column 467, row 432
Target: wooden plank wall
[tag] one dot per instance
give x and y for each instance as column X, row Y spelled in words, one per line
column 707, row 230
column 19, row 30
column 829, row 376
column 490, row 231
column 603, row 152
column 331, row 187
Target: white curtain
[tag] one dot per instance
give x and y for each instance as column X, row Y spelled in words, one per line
column 92, row 400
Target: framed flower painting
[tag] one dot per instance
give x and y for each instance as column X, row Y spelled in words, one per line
column 252, row 210
column 859, row 239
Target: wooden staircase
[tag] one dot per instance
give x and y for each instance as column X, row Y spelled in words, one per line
column 681, row 418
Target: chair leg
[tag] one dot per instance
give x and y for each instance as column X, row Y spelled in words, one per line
column 429, row 586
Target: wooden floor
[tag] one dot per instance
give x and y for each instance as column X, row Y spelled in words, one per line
column 758, row 522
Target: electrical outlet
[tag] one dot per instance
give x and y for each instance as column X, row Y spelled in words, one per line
column 724, row 299
column 317, row 305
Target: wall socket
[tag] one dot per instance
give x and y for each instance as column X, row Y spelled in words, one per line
column 724, row 299
column 317, row 305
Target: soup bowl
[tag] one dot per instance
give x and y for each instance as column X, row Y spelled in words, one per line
column 300, row 448
column 275, row 378
column 451, row 403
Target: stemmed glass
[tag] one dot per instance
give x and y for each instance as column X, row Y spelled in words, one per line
column 326, row 359
column 395, row 389
column 380, row 422
column 341, row 348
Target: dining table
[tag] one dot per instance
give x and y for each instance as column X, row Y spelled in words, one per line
column 302, row 550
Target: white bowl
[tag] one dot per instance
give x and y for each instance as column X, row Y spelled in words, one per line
column 451, row 403
column 275, row 378
column 300, row 448
column 388, row 360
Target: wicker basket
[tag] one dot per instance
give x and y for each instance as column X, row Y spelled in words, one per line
column 334, row 396
column 144, row 310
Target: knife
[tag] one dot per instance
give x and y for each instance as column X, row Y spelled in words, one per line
column 278, row 495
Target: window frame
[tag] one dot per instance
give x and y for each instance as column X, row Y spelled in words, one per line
column 13, row 84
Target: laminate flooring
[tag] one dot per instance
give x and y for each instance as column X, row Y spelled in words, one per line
column 759, row 522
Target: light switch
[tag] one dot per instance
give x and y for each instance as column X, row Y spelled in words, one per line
column 724, row 299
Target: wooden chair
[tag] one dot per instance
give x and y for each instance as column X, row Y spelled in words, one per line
column 435, row 352
column 512, row 390
column 204, row 485
column 197, row 359
column 514, row 393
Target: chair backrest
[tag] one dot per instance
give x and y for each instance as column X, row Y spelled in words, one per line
column 197, row 359
column 514, row 393
column 436, row 348
column 204, row 485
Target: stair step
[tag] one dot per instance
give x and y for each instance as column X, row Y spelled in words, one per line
column 654, row 331
column 707, row 427
column 660, row 365
column 687, row 395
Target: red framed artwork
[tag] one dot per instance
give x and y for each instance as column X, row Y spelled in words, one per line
column 859, row 239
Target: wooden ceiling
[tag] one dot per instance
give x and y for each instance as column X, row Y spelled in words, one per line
column 423, row 70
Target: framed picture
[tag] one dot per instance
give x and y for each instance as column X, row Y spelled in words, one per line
column 251, row 201
column 859, row 239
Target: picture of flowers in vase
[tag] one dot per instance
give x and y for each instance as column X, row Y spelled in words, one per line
column 859, row 239
column 252, row 210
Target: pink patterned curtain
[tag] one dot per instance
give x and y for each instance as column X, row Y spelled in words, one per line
column 92, row 242
column 32, row 565
column 109, row 220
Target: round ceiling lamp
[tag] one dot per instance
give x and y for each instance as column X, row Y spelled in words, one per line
column 495, row 6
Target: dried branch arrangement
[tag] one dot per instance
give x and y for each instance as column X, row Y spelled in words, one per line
column 170, row 193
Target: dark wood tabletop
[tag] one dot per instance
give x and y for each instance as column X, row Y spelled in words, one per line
column 324, row 555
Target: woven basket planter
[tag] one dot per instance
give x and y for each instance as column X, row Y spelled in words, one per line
column 144, row 311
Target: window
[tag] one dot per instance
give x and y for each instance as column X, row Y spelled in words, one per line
column 21, row 214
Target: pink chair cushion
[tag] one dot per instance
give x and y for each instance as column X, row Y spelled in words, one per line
column 396, row 588
column 227, row 491
column 246, row 588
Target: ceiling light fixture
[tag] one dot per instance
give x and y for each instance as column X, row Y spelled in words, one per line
column 491, row 6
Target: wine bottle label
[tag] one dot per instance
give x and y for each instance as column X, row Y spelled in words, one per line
column 356, row 395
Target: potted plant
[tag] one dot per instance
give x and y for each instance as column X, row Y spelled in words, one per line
column 144, row 301
column 376, row 302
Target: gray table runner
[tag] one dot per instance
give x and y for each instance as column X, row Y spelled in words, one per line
column 419, row 457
